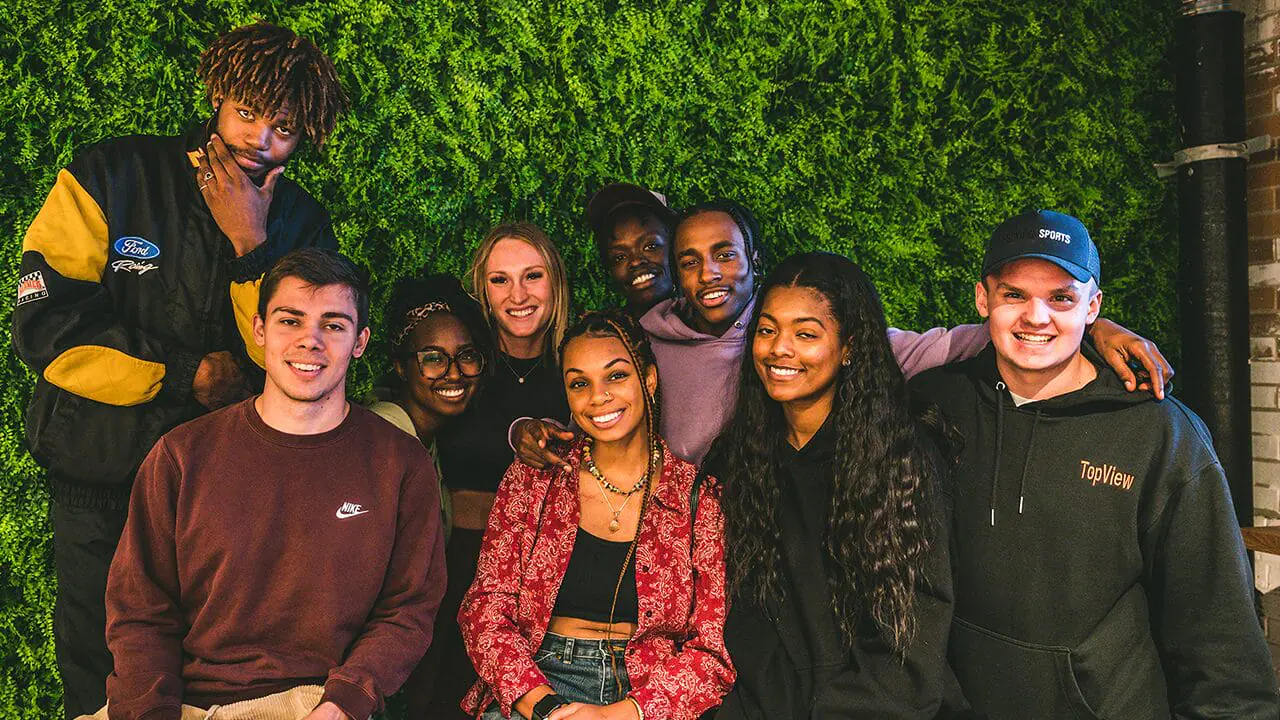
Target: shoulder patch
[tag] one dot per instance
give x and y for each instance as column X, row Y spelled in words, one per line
column 31, row 287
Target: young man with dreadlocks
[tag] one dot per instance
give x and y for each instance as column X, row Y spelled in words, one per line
column 138, row 286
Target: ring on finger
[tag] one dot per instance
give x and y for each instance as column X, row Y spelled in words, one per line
column 208, row 175
column 202, row 187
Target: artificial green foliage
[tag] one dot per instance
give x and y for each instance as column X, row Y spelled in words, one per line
column 896, row 131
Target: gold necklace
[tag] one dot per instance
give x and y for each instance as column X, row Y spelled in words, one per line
column 604, row 484
column 590, row 462
column 519, row 378
column 613, row 524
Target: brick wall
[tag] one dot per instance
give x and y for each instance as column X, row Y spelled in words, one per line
column 1262, row 108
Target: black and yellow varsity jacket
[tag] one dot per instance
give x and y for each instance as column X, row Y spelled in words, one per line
column 126, row 283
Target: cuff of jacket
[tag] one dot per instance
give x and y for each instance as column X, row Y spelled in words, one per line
column 179, row 372
column 514, row 688
column 511, row 429
column 652, row 703
column 252, row 266
column 350, row 698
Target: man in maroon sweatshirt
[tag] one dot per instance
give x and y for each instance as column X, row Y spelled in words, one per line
column 286, row 550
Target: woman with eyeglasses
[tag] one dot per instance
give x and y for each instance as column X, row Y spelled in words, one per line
column 442, row 352
column 517, row 276
column 440, row 347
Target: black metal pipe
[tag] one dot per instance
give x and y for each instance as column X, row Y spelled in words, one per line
column 1213, row 239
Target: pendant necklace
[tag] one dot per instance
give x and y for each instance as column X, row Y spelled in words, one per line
column 604, row 484
column 613, row 524
column 519, row 378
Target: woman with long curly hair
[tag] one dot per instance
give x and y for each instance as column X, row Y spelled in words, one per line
column 836, row 512
column 600, row 588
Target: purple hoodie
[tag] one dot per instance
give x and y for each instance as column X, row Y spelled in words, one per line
column 698, row 373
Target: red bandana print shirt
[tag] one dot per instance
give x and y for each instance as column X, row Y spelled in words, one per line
column 676, row 659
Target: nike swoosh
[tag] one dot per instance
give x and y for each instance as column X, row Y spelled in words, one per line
column 344, row 515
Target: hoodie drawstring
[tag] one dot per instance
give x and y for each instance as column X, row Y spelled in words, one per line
column 1026, row 464
column 995, row 465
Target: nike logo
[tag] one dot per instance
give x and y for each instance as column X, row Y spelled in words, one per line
column 349, row 510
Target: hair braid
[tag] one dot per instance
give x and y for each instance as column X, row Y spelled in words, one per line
column 624, row 327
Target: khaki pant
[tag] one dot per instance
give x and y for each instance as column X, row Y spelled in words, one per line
column 288, row 705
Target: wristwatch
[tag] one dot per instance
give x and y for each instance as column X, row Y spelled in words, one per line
column 546, row 706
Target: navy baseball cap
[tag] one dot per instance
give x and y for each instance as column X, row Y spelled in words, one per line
column 611, row 197
column 1048, row 235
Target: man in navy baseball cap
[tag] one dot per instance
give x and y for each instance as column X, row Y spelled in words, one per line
column 1040, row 292
column 1048, row 235
column 1099, row 567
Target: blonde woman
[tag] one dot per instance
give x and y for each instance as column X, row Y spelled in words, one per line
column 518, row 277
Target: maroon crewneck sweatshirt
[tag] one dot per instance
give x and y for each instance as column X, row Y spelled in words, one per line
column 254, row 561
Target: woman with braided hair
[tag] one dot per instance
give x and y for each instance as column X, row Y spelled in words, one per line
column 600, row 588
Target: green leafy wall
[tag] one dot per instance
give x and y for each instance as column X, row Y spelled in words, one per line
column 898, row 132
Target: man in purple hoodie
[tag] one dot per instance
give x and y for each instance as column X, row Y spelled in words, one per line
column 699, row 337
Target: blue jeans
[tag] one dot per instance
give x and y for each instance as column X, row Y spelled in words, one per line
column 579, row 671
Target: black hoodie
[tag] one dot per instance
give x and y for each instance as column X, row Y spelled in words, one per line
column 1100, row 571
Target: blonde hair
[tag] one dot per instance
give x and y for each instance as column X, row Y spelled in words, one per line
column 558, row 313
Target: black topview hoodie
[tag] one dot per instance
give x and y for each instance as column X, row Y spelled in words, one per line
column 1100, row 571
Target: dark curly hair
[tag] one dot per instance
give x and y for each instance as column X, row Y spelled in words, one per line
column 878, row 524
column 270, row 67
column 424, row 289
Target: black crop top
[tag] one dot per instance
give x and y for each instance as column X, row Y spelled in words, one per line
column 587, row 589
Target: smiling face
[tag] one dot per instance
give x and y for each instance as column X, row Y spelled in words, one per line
column 310, row 337
column 258, row 143
column 1038, row 314
column 713, row 270
column 606, row 397
column 439, row 340
column 797, row 348
column 518, row 288
column 637, row 260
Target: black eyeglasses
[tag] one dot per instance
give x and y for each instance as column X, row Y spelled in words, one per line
column 435, row 362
